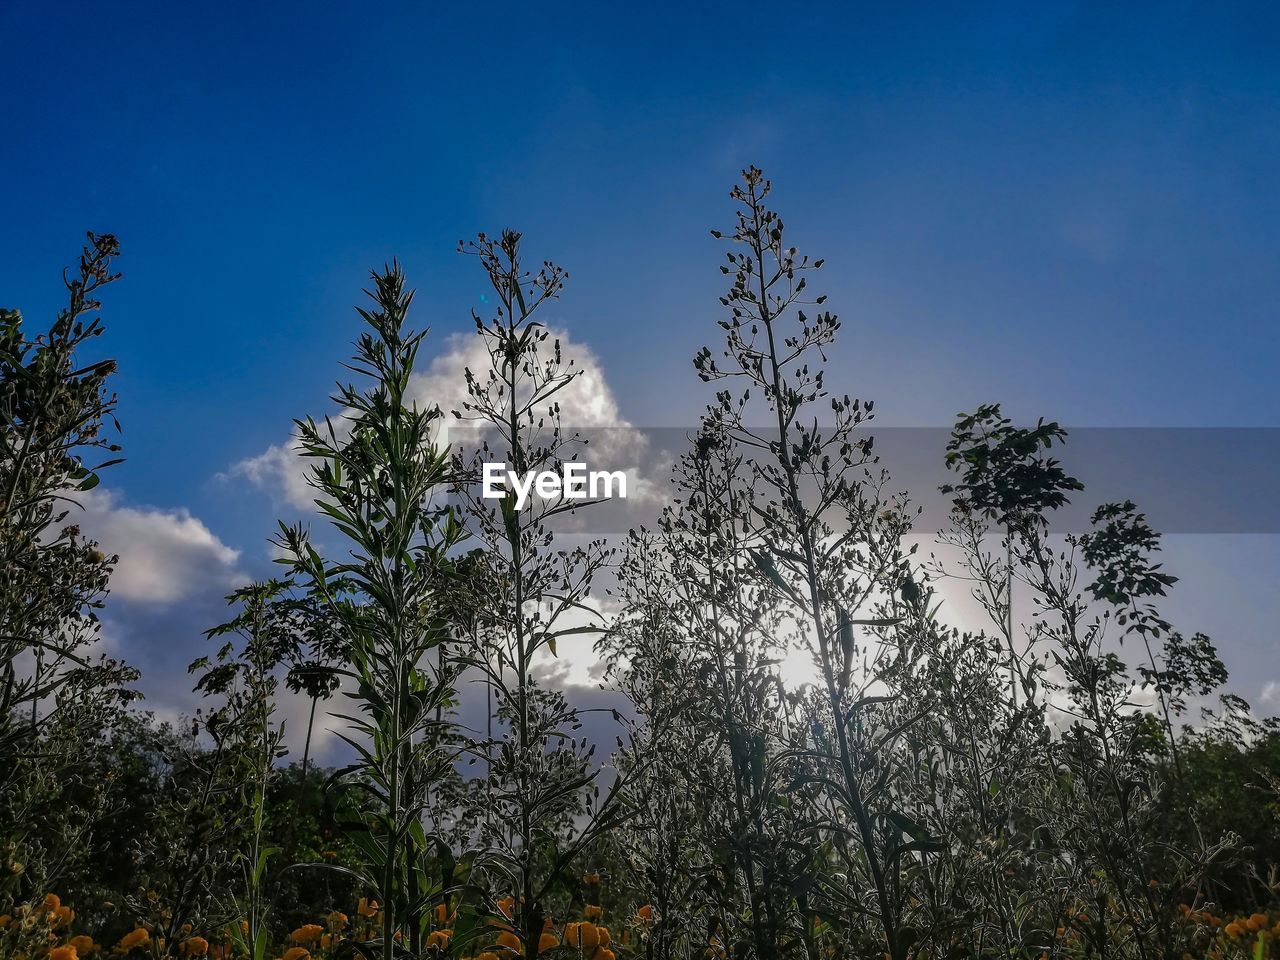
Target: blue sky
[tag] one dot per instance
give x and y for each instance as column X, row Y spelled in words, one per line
column 1072, row 209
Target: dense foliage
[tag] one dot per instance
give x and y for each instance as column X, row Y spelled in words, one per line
column 1062, row 776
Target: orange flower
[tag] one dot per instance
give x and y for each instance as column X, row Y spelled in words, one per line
column 66, row 952
column 439, row 938
column 593, row 912
column 547, row 941
column 307, row 933
column 603, row 934
column 509, row 940
column 195, row 947
column 84, row 945
column 587, row 936
column 366, row 908
column 137, row 937
column 591, row 879
column 645, row 913
column 297, row 953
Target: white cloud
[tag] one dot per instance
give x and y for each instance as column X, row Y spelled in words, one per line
column 587, row 403
column 165, row 555
column 278, row 470
column 1271, row 693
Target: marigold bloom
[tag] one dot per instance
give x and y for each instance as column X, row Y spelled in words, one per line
column 487, row 955
column 603, row 934
column 66, row 952
column 195, row 946
column 337, row 918
column 307, row 933
column 591, row 879
column 367, row 908
column 509, row 940
column 547, row 941
column 588, row 935
column 1258, row 921
column 297, row 953
column 439, row 938
column 645, row 913
column 593, row 912
column 137, row 937
column 84, row 945
column 1233, row 930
